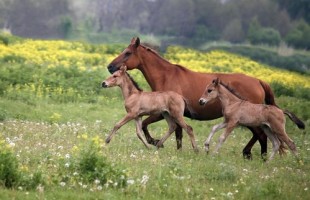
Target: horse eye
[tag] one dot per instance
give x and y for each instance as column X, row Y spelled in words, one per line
column 127, row 53
column 209, row 90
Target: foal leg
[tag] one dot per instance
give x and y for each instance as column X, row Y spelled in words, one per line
column 139, row 132
column 118, row 125
column 229, row 128
column 290, row 143
column 172, row 126
column 274, row 140
column 214, row 129
column 189, row 130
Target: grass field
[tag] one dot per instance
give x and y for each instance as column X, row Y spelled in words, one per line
column 54, row 119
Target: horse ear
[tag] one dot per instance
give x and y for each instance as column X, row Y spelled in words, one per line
column 135, row 42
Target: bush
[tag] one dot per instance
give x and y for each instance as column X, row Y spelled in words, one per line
column 9, row 173
column 268, row 36
column 7, row 38
column 3, row 114
column 299, row 36
column 93, row 166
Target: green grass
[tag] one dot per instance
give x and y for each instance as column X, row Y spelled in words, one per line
column 54, row 120
column 41, row 144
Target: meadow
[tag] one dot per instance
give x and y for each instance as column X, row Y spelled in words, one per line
column 54, row 118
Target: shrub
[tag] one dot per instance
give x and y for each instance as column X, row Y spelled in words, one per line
column 265, row 36
column 9, row 173
column 92, row 165
column 299, row 36
column 3, row 114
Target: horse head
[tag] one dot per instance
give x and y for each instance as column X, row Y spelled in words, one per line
column 210, row 92
column 129, row 57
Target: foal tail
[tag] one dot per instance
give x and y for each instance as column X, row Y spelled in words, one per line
column 295, row 119
column 269, row 100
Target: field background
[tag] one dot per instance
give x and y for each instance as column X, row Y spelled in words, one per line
column 54, row 118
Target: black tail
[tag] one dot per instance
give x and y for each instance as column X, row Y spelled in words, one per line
column 295, row 119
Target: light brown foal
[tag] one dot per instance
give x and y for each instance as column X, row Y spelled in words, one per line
column 241, row 112
column 138, row 103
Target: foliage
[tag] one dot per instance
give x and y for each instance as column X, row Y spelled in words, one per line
column 182, row 22
column 299, row 36
column 260, row 35
column 299, row 62
column 9, row 173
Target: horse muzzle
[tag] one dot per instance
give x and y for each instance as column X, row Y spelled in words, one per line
column 202, row 101
column 112, row 68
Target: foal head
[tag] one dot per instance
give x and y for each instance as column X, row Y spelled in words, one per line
column 210, row 93
column 115, row 79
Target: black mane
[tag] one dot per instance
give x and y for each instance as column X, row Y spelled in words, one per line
column 134, row 82
column 233, row 91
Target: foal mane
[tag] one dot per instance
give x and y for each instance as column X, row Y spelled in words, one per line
column 134, row 82
column 232, row 91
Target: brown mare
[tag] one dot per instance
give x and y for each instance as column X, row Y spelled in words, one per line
column 138, row 103
column 162, row 75
column 237, row 111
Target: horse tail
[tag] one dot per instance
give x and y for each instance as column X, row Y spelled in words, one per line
column 269, row 100
column 269, row 96
column 295, row 119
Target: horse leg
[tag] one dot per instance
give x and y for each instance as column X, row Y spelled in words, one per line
column 179, row 136
column 118, row 125
column 214, row 129
column 229, row 128
column 139, row 132
column 258, row 134
column 151, row 119
column 172, row 126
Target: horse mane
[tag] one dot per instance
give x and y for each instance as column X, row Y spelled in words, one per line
column 233, row 91
column 158, row 55
column 134, row 82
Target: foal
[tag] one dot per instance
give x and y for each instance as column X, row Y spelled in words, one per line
column 138, row 103
column 241, row 112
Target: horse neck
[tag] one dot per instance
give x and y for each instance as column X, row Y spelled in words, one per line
column 154, row 68
column 227, row 97
column 127, row 87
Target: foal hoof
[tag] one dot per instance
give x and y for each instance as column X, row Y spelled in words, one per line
column 107, row 140
column 157, row 144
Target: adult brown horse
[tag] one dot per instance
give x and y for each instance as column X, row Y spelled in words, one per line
column 162, row 75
